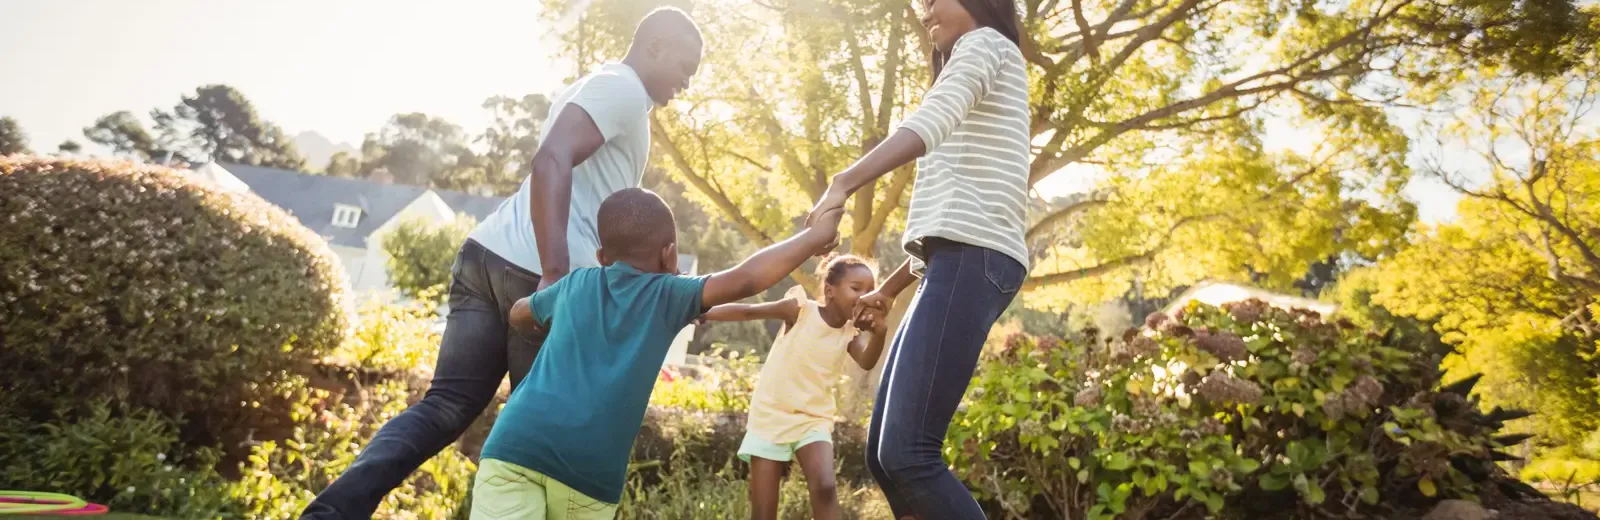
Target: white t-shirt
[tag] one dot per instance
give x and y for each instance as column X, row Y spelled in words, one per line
column 616, row 100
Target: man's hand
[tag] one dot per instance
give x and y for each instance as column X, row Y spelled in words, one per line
column 544, row 283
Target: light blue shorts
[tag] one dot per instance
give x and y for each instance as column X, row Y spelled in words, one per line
column 754, row 446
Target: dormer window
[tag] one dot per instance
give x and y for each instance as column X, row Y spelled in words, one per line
column 346, row 216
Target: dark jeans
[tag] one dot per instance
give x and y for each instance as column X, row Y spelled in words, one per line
column 477, row 350
column 963, row 292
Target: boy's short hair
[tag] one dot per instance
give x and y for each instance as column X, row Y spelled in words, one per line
column 635, row 223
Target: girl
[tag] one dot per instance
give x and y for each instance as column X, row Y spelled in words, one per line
column 792, row 409
column 964, row 233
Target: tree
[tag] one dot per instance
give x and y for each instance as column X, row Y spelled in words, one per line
column 512, row 138
column 219, row 123
column 421, row 253
column 343, row 164
column 12, row 138
column 69, row 147
column 421, row 150
column 1128, row 89
column 126, row 136
column 1514, row 282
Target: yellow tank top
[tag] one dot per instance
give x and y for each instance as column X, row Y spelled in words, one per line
column 794, row 392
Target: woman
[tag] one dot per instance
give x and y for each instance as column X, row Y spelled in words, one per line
column 965, row 237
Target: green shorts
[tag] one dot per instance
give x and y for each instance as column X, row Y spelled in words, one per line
column 506, row 491
column 754, row 446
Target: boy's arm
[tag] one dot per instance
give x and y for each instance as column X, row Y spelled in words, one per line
column 768, row 266
column 787, row 309
column 522, row 317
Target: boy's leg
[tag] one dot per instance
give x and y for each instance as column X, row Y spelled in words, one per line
column 816, row 462
column 472, row 362
column 566, row 503
column 504, row 491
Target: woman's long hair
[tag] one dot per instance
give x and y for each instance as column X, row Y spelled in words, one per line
column 1000, row 15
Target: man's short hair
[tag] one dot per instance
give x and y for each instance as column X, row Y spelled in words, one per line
column 667, row 20
column 635, row 223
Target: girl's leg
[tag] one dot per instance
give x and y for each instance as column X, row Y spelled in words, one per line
column 765, row 476
column 964, row 291
column 816, row 462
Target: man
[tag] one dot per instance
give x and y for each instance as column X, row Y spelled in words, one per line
column 597, row 144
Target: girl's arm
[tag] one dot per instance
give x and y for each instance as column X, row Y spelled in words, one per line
column 787, row 309
column 867, row 347
column 867, row 351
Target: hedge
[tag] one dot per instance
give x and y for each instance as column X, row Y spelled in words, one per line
column 135, row 285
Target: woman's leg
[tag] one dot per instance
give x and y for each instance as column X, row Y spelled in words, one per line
column 963, row 292
column 816, row 462
column 875, row 426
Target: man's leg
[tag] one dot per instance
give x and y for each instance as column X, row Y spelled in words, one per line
column 472, row 361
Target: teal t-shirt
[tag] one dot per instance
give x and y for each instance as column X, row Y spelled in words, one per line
column 575, row 416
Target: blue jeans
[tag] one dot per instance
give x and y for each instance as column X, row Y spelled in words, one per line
column 963, row 292
column 476, row 352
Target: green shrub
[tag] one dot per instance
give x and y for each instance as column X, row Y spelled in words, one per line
column 421, row 254
column 134, row 283
column 1243, row 411
column 130, row 462
column 392, row 338
column 696, row 489
column 280, row 478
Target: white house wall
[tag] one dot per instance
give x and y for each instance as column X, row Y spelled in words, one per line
column 375, row 274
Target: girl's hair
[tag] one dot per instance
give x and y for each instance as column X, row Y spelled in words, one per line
column 832, row 267
column 1000, row 15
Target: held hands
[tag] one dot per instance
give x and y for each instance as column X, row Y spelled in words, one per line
column 872, row 312
column 826, row 224
column 831, row 200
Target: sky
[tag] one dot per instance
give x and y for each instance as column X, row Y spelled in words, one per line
column 338, row 68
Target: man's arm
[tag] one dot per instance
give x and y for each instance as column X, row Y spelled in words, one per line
column 571, row 140
column 765, row 268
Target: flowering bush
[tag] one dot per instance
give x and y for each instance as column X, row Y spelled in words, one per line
column 1243, row 410
column 133, row 283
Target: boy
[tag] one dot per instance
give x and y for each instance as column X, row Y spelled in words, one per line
column 560, row 448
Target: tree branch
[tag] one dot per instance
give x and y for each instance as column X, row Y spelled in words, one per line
column 1053, row 218
column 723, row 202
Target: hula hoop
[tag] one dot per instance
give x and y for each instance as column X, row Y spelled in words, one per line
column 33, row 502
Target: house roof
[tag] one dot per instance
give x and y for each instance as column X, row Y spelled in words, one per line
column 478, row 206
column 311, row 198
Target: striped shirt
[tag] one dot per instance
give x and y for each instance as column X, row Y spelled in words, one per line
column 972, row 184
